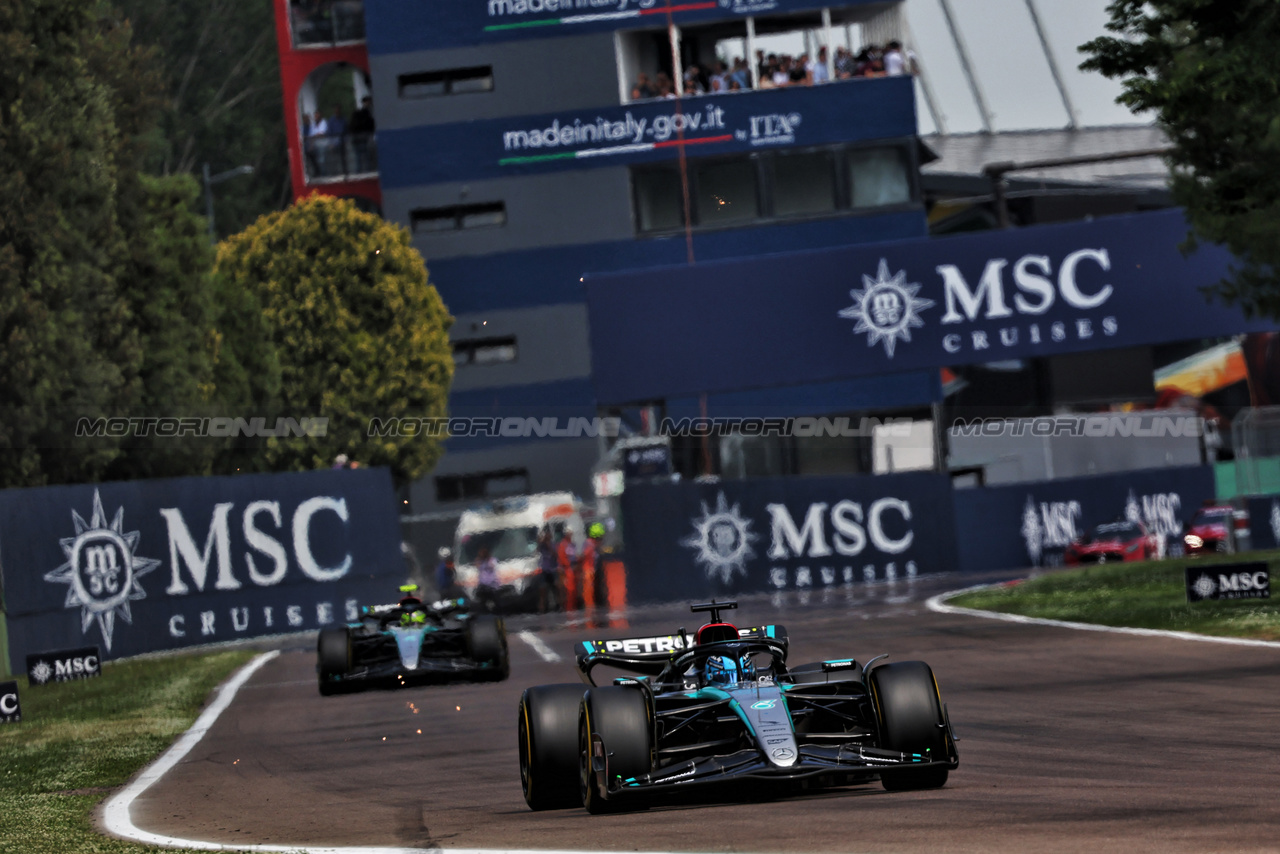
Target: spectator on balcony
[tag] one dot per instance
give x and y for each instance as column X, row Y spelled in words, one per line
column 779, row 70
column 665, row 88
column 845, row 64
column 817, row 69
column 720, row 79
column 338, row 139
column 317, row 142
column 695, row 82
column 643, row 88
column 361, row 129
column 798, row 70
column 897, row 61
column 741, row 74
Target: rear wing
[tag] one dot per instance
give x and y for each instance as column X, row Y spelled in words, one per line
column 649, row 655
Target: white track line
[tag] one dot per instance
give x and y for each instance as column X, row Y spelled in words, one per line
column 539, row 646
column 938, row 603
column 118, row 822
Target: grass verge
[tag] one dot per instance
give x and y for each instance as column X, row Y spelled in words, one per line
column 78, row 741
column 1149, row 595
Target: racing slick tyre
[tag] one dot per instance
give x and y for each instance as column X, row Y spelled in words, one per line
column 487, row 644
column 333, row 650
column 548, row 733
column 911, row 720
column 618, row 718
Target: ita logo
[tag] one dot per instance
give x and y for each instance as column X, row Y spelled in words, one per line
column 722, row 540
column 102, row 570
column 887, row 308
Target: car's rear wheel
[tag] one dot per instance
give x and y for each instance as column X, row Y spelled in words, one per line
column 487, row 644
column 333, row 651
column 614, row 736
column 548, row 734
column 911, row 720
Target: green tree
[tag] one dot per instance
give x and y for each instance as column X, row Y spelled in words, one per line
column 358, row 331
column 223, row 100
column 67, row 348
column 1210, row 73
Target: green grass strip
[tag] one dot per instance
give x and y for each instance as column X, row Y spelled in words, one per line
column 78, row 741
column 1150, row 595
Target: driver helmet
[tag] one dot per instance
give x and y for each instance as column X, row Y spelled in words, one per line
column 596, row 531
column 722, row 670
column 413, row 618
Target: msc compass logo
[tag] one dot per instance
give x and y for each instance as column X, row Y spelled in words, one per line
column 41, row 673
column 1204, row 587
column 887, row 308
column 102, row 570
column 1032, row 531
column 723, row 540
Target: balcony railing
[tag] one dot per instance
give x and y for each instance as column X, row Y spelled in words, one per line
column 317, row 23
column 330, row 157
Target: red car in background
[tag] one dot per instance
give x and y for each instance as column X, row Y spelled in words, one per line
column 1113, row 542
column 1207, row 531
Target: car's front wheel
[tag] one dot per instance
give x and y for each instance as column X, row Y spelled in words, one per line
column 548, row 733
column 911, row 720
column 615, row 737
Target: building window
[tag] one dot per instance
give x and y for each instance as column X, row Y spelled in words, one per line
column 484, row 351
column 728, row 192
column 319, row 23
column 878, row 177
column 769, row 186
column 491, row 484
column 456, row 217
column 804, row 184
column 450, row 81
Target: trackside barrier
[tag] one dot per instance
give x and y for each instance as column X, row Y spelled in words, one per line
column 1029, row 524
column 689, row 539
column 151, row 565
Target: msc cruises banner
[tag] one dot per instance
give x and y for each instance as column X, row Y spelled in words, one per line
column 400, row 26
column 883, row 308
column 691, row 540
column 651, row 130
column 148, row 565
column 1029, row 524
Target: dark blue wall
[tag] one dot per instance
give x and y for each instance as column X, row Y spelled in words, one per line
column 853, row 111
column 1027, row 524
column 689, row 540
column 95, row 564
column 398, row 26
column 815, row 316
column 674, row 552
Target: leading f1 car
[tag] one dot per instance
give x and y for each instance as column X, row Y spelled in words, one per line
column 411, row 642
column 724, row 708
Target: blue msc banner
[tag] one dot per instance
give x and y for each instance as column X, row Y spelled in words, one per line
column 647, row 131
column 400, row 26
column 151, row 565
column 810, row 317
column 1029, row 524
column 691, row 540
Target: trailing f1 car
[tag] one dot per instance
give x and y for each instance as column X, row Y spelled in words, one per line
column 724, row 707
column 412, row 643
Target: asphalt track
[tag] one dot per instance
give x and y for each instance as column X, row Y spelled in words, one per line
column 1070, row 741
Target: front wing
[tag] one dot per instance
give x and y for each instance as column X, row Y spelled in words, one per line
column 828, row 764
